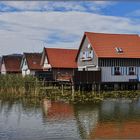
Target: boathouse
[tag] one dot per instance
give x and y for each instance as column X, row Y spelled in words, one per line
column 116, row 58
column 11, row 64
column 61, row 62
column 30, row 64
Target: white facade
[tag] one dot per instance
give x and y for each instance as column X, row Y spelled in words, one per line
column 46, row 64
column 3, row 69
column 107, row 76
column 25, row 69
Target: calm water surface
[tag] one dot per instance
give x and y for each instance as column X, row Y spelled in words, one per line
column 41, row 120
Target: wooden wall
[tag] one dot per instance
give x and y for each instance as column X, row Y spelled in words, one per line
column 87, row 77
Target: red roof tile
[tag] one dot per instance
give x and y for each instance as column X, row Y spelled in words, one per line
column 12, row 63
column 105, row 44
column 61, row 58
column 33, row 60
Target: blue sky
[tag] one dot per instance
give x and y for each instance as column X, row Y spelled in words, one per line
column 29, row 26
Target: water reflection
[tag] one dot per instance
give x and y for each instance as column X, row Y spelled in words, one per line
column 40, row 120
column 119, row 110
column 118, row 119
column 57, row 110
column 59, row 118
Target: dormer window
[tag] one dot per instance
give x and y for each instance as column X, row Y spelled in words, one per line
column 119, row 50
column 89, row 46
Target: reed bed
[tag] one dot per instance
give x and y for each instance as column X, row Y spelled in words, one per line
column 18, row 87
column 14, row 83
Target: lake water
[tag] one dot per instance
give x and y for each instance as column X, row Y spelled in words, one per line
column 42, row 120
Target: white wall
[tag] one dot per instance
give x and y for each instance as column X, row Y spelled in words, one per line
column 3, row 69
column 25, row 70
column 108, row 77
column 46, row 64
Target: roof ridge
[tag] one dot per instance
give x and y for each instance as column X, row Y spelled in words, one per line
column 86, row 32
column 61, row 49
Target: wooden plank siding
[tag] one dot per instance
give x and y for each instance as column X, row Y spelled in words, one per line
column 44, row 75
column 87, row 77
column 84, row 48
column 107, row 75
column 112, row 62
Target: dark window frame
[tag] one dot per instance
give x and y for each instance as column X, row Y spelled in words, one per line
column 117, row 71
column 131, row 71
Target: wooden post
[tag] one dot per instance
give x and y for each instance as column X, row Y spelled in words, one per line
column 99, row 87
column 35, row 86
column 138, row 86
column 72, row 86
column 79, row 88
column 62, row 88
column 93, row 88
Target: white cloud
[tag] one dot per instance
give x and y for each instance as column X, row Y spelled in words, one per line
column 54, row 5
column 30, row 31
column 135, row 13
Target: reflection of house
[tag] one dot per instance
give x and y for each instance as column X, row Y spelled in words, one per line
column 60, row 61
column 57, row 110
column 125, row 109
column 31, row 63
column 117, row 56
column 11, row 64
column 87, row 119
column 120, row 130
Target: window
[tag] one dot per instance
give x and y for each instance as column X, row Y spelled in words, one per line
column 83, row 55
column 117, row 71
column 131, row 71
column 90, row 55
column 119, row 50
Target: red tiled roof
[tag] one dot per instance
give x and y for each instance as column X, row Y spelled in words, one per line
column 105, row 44
column 33, row 60
column 12, row 63
column 61, row 58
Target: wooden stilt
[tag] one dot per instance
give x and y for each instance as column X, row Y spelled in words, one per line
column 99, row 88
column 72, row 92
column 62, row 88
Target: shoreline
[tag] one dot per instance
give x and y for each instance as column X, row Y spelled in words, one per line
column 78, row 97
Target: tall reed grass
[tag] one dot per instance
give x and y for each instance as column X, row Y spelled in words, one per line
column 14, row 83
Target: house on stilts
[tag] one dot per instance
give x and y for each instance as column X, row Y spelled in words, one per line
column 113, row 60
column 60, row 62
